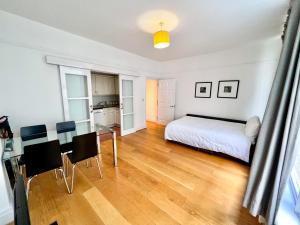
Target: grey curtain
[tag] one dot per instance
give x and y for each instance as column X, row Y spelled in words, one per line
column 275, row 152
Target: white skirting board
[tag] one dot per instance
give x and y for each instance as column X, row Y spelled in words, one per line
column 141, row 128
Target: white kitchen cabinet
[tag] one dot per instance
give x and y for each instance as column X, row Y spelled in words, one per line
column 93, row 80
column 117, row 116
column 103, row 120
column 99, row 85
column 116, row 85
column 110, row 118
column 103, row 85
column 107, row 116
column 99, row 116
column 110, row 84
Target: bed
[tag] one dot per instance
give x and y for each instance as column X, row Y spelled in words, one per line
column 225, row 136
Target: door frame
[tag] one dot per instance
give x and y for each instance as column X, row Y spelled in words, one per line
column 132, row 130
column 63, row 70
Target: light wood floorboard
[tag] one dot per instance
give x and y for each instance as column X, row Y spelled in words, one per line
column 157, row 182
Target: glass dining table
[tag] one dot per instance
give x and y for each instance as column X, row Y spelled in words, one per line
column 14, row 148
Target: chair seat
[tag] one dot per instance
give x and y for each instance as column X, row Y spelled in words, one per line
column 66, row 147
column 71, row 158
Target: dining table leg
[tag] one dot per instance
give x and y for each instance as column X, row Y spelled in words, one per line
column 98, row 143
column 114, row 142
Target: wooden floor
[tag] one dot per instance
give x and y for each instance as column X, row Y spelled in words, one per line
column 157, row 182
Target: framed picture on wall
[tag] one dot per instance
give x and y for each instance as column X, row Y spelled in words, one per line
column 228, row 88
column 203, row 89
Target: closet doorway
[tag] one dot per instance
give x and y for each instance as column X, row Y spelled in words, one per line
column 151, row 100
column 160, row 100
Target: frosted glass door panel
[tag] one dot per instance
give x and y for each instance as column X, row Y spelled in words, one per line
column 127, row 101
column 128, row 105
column 76, row 89
column 83, row 128
column 79, row 109
column 128, row 122
column 76, row 86
column 127, row 88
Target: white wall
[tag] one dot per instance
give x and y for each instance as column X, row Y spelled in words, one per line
column 253, row 64
column 6, row 198
column 30, row 88
column 140, row 102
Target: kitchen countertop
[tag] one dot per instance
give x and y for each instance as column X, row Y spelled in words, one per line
column 105, row 106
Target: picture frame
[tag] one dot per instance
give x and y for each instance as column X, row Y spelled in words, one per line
column 203, row 89
column 228, row 89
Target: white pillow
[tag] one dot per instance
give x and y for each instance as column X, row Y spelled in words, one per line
column 252, row 128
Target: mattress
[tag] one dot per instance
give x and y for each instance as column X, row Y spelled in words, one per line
column 215, row 135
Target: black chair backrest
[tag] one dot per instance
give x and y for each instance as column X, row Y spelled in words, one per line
column 84, row 147
column 21, row 213
column 64, row 127
column 33, row 132
column 42, row 157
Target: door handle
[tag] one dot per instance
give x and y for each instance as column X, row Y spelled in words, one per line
column 172, row 106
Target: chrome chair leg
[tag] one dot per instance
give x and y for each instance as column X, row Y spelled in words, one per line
column 100, row 159
column 21, row 170
column 73, row 177
column 63, row 162
column 67, row 167
column 28, row 185
column 97, row 160
column 55, row 174
column 65, row 179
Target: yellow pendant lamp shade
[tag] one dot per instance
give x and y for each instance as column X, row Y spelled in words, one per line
column 161, row 39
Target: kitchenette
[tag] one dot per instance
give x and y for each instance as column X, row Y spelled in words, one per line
column 105, row 90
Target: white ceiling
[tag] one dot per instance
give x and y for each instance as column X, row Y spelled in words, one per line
column 203, row 25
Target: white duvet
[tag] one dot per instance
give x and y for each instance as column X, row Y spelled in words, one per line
column 214, row 135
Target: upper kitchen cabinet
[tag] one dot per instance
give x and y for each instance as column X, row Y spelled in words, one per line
column 93, row 80
column 103, row 85
column 116, row 85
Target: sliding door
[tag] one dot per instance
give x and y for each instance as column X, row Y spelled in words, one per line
column 126, row 87
column 77, row 97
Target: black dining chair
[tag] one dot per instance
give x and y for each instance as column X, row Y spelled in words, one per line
column 42, row 157
column 84, row 147
column 30, row 133
column 33, row 132
column 65, row 128
column 21, row 212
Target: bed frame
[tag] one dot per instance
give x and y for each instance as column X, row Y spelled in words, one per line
column 252, row 148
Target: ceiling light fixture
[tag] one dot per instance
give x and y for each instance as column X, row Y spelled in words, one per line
column 161, row 39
